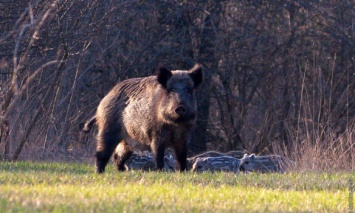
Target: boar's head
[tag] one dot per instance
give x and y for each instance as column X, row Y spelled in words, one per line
column 177, row 104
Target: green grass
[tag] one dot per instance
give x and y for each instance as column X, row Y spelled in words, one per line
column 62, row 187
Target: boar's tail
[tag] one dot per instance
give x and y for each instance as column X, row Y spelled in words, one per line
column 86, row 127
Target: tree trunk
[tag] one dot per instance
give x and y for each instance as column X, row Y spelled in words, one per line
column 208, row 59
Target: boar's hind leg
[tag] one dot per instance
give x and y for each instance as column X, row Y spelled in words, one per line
column 106, row 144
column 122, row 153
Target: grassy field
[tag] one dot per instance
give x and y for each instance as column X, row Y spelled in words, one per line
column 64, row 187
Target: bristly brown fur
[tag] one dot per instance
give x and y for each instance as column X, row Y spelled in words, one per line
column 156, row 111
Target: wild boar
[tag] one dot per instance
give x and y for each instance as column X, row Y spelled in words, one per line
column 158, row 111
column 265, row 163
column 145, row 161
column 214, row 164
column 235, row 153
column 192, row 160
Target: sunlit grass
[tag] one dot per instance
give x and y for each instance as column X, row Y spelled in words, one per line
column 59, row 187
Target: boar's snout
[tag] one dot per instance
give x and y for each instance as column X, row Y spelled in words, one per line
column 181, row 110
column 184, row 113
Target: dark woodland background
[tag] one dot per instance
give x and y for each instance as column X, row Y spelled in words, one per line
column 279, row 75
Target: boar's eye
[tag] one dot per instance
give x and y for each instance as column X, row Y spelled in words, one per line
column 188, row 90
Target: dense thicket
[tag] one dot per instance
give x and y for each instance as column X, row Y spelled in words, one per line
column 279, row 75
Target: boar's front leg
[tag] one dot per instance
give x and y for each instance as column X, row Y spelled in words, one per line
column 158, row 149
column 181, row 154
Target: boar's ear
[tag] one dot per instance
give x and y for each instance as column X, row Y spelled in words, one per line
column 196, row 75
column 163, row 75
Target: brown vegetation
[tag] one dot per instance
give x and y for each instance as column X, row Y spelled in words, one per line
column 279, row 75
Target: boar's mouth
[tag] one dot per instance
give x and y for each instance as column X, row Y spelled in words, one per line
column 187, row 118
